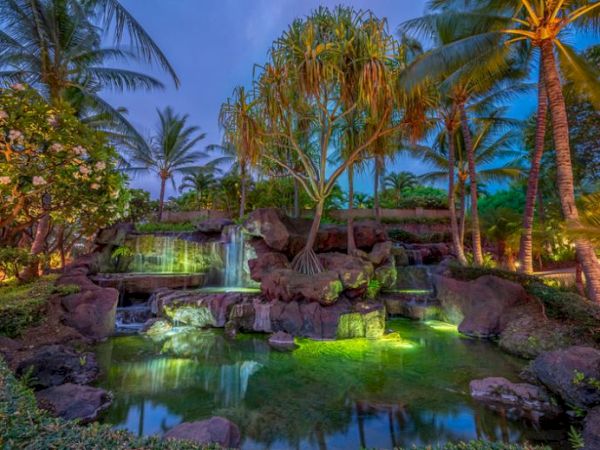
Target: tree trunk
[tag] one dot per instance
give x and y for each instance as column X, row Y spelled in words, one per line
column 458, row 248
column 351, row 242
column 242, row 193
column 306, row 261
column 560, row 129
column 37, row 248
column 161, row 199
column 526, row 245
column 463, row 213
column 476, row 232
column 60, row 244
column 296, row 212
column 376, row 207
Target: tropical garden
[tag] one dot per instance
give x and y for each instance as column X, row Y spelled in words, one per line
column 494, row 242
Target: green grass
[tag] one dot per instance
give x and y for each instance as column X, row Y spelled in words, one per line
column 23, row 305
column 160, row 227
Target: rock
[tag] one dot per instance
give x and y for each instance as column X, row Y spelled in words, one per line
column 483, row 307
column 265, row 263
column 156, row 327
column 282, row 341
column 92, row 312
column 570, row 373
column 366, row 321
column 400, row 256
column 288, row 285
column 268, row 224
column 412, row 305
column 591, row 430
column 114, row 235
column 213, row 226
column 380, row 253
column 216, row 430
column 72, row 401
column 520, row 399
column 147, row 283
column 532, row 334
column 386, row 275
column 353, row 272
column 53, row 365
column 413, row 278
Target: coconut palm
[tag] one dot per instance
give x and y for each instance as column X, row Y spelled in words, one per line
column 399, row 181
column 170, row 151
column 540, row 25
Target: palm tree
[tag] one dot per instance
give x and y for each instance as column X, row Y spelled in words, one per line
column 399, row 181
column 169, row 152
column 199, row 181
column 542, row 25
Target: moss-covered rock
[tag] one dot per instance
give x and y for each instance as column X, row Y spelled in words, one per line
column 386, row 275
column 369, row 324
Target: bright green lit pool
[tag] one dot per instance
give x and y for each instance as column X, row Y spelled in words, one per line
column 334, row 395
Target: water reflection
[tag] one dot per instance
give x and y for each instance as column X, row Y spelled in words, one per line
column 343, row 394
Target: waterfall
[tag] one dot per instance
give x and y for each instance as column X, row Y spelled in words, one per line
column 262, row 316
column 234, row 256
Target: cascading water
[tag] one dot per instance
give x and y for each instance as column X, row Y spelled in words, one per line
column 235, row 257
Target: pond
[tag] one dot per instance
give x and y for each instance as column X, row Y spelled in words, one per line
column 347, row 394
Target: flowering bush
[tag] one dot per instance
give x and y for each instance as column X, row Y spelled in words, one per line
column 52, row 164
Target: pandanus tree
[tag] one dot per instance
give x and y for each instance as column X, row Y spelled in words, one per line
column 171, row 150
column 306, row 79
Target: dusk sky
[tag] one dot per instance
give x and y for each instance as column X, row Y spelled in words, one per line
column 213, row 46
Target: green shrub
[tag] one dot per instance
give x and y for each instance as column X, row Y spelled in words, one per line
column 416, row 220
column 399, row 235
column 12, row 261
column 164, row 227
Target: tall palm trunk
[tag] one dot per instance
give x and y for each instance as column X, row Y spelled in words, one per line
column 243, row 192
column 161, row 199
column 560, row 130
column 463, row 213
column 526, row 245
column 307, row 261
column 296, row 212
column 458, row 248
column 376, row 207
column 351, row 241
column 476, row 232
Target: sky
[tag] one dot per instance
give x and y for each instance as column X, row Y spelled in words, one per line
column 213, row 46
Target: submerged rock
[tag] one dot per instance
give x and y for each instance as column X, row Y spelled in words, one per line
column 53, row 365
column 216, row 430
column 518, row 399
column 73, row 401
column 572, row 374
column 282, row 341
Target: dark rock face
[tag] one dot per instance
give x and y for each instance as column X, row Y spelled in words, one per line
column 265, row 263
column 568, row 373
column 148, row 283
column 73, row 401
column 591, row 430
column 282, row 341
column 268, row 224
column 92, row 312
column 380, row 253
column 213, row 226
column 483, row 307
column 54, row 365
column 216, row 430
column 413, row 306
column 517, row 399
column 353, row 272
column 288, row 285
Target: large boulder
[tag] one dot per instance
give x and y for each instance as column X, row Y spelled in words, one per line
column 367, row 320
column 53, row 365
column 591, row 430
column 268, row 223
column 265, row 263
column 216, row 430
column 73, row 401
column 483, row 307
column 387, row 275
column 213, row 226
column 571, row 374
column 380, row 253
column 288, row 285
column 354, row 273
column 147, row 283
column 517, row 399
column 92, row 311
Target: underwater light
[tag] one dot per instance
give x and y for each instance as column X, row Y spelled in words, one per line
column 441, row 326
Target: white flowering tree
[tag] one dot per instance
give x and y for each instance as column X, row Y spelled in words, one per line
column 58, row 178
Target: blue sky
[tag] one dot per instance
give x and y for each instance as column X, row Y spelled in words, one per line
column 214, row 45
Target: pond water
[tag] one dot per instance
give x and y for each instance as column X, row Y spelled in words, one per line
column 348, row 394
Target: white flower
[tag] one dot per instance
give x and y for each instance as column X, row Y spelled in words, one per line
column 56, row 148
column 79, row 150
column 38, row 181
column 84, row 170
column 18, row 87
column 100, row 165
column 5, row 180
column 15, row 135
column 3, row 115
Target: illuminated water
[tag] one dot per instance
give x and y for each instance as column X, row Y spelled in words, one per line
column 335, row 395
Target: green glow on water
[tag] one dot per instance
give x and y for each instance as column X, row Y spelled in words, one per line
column 410, row 291
column 219, row 290
column 442, row 326
column 409, row 387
